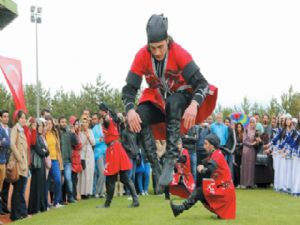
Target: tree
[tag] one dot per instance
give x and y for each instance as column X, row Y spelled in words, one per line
column 225, row 110
column 64, row 104
column 30, row 98
column 290, row 102
column 6, row 101
column 257, row 108
column 245, row 105
column 274, row 107
column 92, row 95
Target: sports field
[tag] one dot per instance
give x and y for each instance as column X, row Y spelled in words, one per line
column 254, row 207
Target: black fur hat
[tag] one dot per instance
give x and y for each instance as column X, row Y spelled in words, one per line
column 157, row 28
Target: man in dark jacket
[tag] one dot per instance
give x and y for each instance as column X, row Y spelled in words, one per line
column 130, row 144
column 203, row 132
column 4, row 152
column 67, row 140
column 190, row 143
column 229, row 148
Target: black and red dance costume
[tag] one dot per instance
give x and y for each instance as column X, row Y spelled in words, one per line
column 183, row 182
column 173, row 83
column 117, row 162
column 216, row 191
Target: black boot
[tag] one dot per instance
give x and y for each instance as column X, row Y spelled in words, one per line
column 172, row 153
column 148, row 144
column 135, row 202
column 106, row 204
column 177, row 209
column 135, row 199
column 109, row 197
column 167, row 172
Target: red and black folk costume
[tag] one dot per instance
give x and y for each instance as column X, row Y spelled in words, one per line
column 173, row 83
column 217, row 191
column 183, row 182
column 117, row 161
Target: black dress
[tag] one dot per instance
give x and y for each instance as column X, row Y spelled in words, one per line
column 38, row 196
column 264, row 175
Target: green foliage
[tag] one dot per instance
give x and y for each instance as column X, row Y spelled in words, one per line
column 257, row 108
column 245, row 105
column 30, row 93
column 290, row 102
column 64, row 103
column 6, row 101
column 274, row 107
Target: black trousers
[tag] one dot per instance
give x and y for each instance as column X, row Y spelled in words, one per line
column 4, row 195
column 175, row 106
column 111, row 181
column 18, row 203
column 74, row 182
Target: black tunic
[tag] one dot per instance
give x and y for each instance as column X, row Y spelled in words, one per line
column 38, row 196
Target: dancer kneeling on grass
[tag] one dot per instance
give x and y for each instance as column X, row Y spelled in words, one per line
column 117, row 161
column 183, row 182
column 216, row 191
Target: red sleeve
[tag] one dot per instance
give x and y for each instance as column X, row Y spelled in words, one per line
column 139, row 63
column 79, row 144
column 33, row 137
column 182, row 56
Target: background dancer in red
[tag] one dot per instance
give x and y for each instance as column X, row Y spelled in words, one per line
column 177, row 92
column 216, row 191
column 117, row 161
column 183, row 182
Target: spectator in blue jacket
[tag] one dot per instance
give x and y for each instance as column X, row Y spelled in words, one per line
column 220, row 129
column 4, row 119
column 4, row 147
column 99, row 154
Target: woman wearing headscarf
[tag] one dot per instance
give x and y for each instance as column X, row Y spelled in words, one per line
column 249, row 155
column 216, row 191
column 38, row 184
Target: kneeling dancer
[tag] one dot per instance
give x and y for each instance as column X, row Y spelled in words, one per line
column 216, row 191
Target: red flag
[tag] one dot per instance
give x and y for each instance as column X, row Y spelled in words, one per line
column 12, row 72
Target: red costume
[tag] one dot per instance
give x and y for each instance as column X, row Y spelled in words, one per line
column 187, row 186
column 31, row 140
column 116, row 157
column 175, row 82
column 219, row 190
column 177, row 60
column 76, row 159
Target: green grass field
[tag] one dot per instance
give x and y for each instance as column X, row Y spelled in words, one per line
column 254, row 207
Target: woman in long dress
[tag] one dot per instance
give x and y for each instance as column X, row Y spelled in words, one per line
column 249, row 156
column 38, row 184
column 85, row 178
